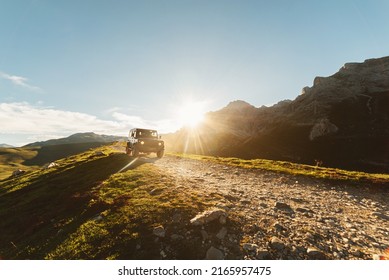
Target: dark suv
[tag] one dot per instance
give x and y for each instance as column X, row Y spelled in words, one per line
column 144, row 141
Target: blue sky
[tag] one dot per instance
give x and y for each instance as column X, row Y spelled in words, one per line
column 106, row 66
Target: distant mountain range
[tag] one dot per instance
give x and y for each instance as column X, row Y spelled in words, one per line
column 5, row 146
column 87, row 137
column 341, row 121
column 36, row 154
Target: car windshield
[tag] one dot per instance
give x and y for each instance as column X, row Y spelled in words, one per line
column 144, row 133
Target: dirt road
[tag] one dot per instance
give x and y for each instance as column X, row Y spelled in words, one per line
column 287, row 217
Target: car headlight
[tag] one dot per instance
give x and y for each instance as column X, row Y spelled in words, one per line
column 159, row 144
column 142, row 142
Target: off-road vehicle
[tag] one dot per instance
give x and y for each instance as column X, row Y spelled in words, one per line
column 144, row 141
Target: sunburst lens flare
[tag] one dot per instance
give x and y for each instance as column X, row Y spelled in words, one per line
column 191, row 114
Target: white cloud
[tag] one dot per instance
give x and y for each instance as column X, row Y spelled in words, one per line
column 24, row 118
column 162, row 125
column 19, row 81
column 135, row 121
column 42, row 123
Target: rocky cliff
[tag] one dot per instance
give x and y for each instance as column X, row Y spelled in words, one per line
column 342, row 120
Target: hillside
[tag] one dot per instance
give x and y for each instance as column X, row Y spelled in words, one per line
column 5, row 146
column 341, row 121
column 31, row 158
column 36, row 154
column 102, row 204
column 86, row 137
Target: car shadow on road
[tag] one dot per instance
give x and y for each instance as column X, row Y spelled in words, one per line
column 136, row 162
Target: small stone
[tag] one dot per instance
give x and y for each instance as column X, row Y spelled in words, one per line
column 204, row 234
column 381, row 216
column 304, row 210
column 98, row 218
column 163, row 254
column 309, row 236
column 283, row 206
column 263, row 254
column 249, row 246
column 357, row 253
column 176, row 218
column 207, row 217
column 297, row 199
column 159, row 231
column 279, row 228
column 214, row 254
column 330, row 223
column 222, row 233
column 176, row 237
column 18, row 172
column 276, row 244
column 245, row 201
column 315, row 253
column 223, row 220
column 51, row 165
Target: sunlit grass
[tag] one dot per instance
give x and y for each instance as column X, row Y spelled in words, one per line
column 295, row 169
column 12, row 159
column 83, row 208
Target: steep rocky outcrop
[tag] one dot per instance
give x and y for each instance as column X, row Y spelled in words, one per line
column 342, row 120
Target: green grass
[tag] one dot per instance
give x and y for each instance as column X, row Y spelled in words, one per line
column 85, row 209
column 12, row 159
column 51, row 213
column 30, row 158
column 296, row 169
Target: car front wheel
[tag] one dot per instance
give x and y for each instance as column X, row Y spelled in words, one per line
column 160, row 154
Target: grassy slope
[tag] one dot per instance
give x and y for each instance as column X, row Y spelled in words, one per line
column 12, row 159
column 51, row 213
column 84, row 209
column 29, row 158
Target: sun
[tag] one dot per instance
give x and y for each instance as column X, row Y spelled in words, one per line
column 191, row 113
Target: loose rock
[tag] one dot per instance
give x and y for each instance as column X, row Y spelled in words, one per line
column 214, row 254
column 276, row 244
column 159, row 231
column 222, row 233
column 207, row 217
column 315, row 253
column 381, row 216
column 249, row 247
column 283, row 207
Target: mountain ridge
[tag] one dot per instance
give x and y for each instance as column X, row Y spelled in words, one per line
column 83, row 137
column 6, row 146
column 341, row 121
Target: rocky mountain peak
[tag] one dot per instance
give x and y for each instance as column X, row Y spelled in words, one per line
column 238, row 105
column 342, row 121
column 354, row 78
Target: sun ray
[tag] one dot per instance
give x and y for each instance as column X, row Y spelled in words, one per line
column 190, row 114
